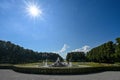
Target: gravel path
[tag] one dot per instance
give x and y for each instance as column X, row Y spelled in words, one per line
column 11, row 75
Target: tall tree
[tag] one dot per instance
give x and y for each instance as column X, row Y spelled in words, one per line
column 11, row 53
column 117, row 50
column 102, row 53
column 75, row 56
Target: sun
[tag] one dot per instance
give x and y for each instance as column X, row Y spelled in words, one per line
column 33, row 9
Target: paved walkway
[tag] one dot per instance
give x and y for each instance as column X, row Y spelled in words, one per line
column 11, row 75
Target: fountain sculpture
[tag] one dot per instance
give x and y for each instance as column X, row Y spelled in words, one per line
column 58, row 63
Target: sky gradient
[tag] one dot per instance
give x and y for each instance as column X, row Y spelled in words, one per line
column 64, row 26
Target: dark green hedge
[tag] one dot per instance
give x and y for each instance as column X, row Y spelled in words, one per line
column 6, row 66
column 85, row 70
column 65, row 70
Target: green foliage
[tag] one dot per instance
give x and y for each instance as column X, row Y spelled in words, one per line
column 6, row 66
column 14, row 54
column 106, row 53
column 117, row 50
column 103, row 53
column 75, row 56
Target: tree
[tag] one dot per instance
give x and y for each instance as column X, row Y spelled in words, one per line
column 103, row 53
column 75, row 56
column 117, row 50
column 13, row 54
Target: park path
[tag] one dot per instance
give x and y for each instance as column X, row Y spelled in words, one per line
column 11, row 75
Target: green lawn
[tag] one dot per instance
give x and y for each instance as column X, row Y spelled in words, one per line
column 74, row 64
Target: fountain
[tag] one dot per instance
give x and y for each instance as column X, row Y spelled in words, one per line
column 58, row 63
column 70, row 64
column 45, row 64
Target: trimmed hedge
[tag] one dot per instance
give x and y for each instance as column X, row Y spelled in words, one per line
column 6, row 66
column 63, row 70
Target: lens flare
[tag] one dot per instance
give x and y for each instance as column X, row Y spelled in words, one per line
column 33, row 10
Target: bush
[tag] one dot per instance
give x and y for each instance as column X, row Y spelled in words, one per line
column 63, row 70
column 6, row 66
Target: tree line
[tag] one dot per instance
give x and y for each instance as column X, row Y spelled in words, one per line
column 108, row 52
column 13, row 54
column 103, row 53
column 76, row 57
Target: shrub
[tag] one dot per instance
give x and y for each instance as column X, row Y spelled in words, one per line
column 6, row 66
column 63, row 70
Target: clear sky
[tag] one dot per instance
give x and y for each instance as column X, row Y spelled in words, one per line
column 62, row 26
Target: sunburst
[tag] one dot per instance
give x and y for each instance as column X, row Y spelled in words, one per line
column 33, row 9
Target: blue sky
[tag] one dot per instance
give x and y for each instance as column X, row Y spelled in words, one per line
column 64, row 25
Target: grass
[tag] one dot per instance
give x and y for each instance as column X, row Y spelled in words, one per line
column 117, row 63
column 37, row 64
column 74, row 64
